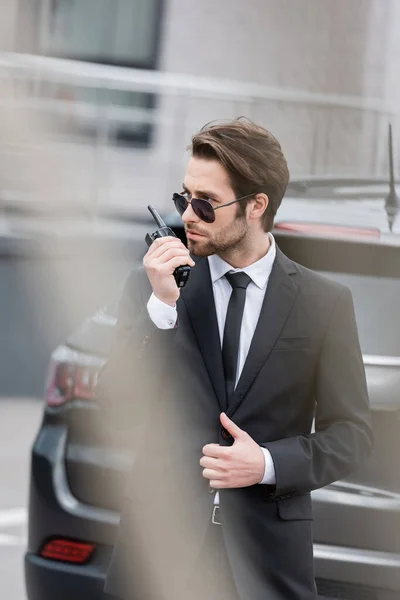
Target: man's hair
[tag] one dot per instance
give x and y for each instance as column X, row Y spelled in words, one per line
column 252, row 157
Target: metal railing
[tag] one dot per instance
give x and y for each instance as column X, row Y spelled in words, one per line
column 84, row 95
column 112, row 77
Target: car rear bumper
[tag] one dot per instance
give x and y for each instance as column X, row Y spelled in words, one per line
column 341, row 572
column 51, row 579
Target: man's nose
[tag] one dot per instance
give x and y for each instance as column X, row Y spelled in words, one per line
column 189, row 215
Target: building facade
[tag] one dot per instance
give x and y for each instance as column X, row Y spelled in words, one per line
column 322, row 75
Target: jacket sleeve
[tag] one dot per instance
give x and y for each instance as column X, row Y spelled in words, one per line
column 343, row 435
column 129, row 381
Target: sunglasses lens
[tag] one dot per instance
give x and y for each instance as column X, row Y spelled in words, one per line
column 203, row 210
column 180, row 203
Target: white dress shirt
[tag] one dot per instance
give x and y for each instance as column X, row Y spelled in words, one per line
column 165, row 316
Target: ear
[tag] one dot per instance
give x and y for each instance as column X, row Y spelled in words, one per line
column 257, row 206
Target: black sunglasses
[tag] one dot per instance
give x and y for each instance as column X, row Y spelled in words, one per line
column 202, row 208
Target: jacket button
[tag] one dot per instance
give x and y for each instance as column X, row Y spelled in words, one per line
column 225, row 434
column 210, row 489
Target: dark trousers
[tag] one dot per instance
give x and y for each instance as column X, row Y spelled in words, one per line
column 211, row 578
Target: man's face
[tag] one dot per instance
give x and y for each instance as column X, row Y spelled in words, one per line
column 207, row 179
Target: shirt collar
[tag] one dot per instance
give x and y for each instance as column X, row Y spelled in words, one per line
column 258, row 272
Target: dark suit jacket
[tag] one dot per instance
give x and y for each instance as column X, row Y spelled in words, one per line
column 304, row 361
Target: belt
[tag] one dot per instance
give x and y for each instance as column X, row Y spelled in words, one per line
column 216, row 515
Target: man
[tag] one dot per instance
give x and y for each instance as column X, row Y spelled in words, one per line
column 227, row 375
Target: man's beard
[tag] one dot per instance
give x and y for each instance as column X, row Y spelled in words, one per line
column 227, row 238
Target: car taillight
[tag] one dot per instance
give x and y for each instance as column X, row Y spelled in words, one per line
column 70, row 551
column 71, row 375
column 324, row 230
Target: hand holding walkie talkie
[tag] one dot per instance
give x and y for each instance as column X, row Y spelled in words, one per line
column 169, row 257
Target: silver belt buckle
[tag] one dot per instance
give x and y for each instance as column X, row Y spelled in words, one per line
column 216, row 515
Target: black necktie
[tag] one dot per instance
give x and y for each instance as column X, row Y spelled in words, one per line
column 230, row 345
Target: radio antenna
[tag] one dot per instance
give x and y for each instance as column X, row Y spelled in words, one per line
column 392, row 203
column 156, row 216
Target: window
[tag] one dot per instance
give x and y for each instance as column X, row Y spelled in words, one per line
column 111, row 32
column 118, row 32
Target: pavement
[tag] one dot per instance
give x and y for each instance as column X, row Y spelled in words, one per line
column 19, row 422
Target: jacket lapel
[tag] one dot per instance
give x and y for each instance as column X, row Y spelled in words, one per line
column 279, row 298
column 198, row 298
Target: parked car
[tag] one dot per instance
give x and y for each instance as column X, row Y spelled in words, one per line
column 340, row 227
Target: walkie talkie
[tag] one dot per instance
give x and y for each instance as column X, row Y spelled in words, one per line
column 181, row 274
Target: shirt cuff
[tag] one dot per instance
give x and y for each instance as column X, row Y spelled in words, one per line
column 163, row 315
column 269, row 471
